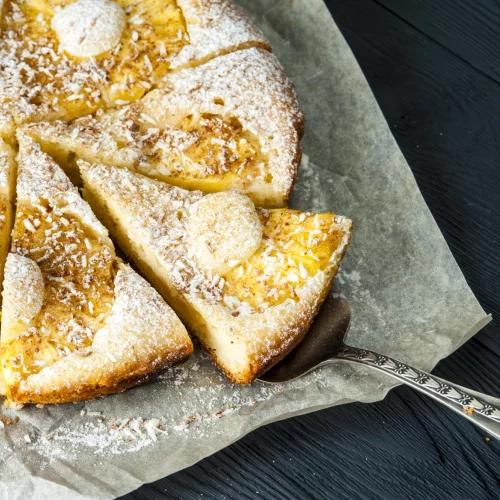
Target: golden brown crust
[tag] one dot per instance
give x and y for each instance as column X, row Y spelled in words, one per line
column 114, row 384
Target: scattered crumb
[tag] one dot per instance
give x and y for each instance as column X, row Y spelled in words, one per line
column 8, row 421
column 189, row 419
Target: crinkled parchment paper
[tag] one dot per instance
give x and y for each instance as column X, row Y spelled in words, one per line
column 408, row 296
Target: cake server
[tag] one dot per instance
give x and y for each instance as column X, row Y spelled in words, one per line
column 324, row 344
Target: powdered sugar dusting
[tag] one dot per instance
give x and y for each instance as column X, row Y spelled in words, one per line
column 198, row 408
column 223, row 230
column 40, row 178
column 88, row 28
column 22, row 290
column 214, row 27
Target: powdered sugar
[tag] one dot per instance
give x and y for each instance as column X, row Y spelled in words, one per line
column 197, row 415
column 87, row 28
column 223, row 230
column 22, row 291
column 215, row 27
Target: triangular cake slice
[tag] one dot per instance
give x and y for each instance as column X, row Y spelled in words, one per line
column 247, row 282
column 76, row 322
column 232, row 123
column 7, row 194
column 63, row 60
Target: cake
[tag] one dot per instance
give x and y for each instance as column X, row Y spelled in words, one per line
column 246, row 281
column 67, row 59
column 185, row 132
column 77, row 322
column 231, row 123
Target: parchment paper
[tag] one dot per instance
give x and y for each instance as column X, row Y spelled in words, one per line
column 408, row 296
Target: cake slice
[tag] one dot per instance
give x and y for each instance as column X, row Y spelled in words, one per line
column 7, row 194
column 232, row 123
column 77, row 323
column 247, row 282
column 67, row 59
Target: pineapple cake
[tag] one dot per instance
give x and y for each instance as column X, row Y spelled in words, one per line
column 7, row 193
column 205, row 130
column 77, row 323
column 67, row 58
column 246, row 281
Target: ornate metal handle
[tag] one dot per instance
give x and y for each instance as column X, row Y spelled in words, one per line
column 481, row 409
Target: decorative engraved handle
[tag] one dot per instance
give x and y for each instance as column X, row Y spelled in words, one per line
column 469, row 404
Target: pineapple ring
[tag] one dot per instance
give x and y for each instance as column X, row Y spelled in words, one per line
column 223, row 231
column 88, row 28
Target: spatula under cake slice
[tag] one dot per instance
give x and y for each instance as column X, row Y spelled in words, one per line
column 246, row 281
column 76, row 322
column 232, row 123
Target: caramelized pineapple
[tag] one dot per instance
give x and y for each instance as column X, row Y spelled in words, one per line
column 246, row 281
column 295, row 246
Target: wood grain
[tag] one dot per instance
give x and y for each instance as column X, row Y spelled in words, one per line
column 434, row 67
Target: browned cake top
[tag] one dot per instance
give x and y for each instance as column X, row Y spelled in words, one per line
column 42, row 76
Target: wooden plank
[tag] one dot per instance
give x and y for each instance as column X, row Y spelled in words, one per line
column 467, row 29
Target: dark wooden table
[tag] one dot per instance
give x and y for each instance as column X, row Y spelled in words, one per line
column 434, row 66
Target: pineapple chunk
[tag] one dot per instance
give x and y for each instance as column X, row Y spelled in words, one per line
column 205, row 152
column 295, row 246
